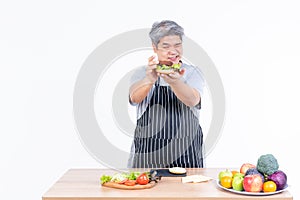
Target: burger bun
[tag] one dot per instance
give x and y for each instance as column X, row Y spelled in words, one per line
column 177, row 170
column 164, row 71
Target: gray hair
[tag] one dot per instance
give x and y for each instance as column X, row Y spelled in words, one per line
column 164, row 28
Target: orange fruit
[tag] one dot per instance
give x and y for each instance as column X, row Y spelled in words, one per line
column 234, row 172
column 226, row 182
column 269, row 186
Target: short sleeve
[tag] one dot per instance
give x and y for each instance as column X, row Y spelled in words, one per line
column 138, row 74
column 195, row 79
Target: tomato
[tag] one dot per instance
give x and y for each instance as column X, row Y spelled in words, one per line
column 142, row 179
column 226, row 182
column 130, row 182
column 269, row 186
column 234, row 172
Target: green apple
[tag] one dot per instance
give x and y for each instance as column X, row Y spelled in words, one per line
column 237, row 183
column 226, row 172
column 238, row 174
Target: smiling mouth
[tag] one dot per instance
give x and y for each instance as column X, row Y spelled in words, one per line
column 174, row 59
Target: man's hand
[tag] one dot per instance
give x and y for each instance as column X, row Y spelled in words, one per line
column 188, row 95
column 151, row 74
column 139, row 90
column 173, row 77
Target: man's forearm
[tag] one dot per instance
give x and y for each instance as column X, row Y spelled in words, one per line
column 188, row 95
column 139, row 90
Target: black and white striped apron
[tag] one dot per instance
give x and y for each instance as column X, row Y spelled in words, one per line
column 168, row 134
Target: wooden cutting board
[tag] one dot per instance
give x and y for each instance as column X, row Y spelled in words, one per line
column 126, row 187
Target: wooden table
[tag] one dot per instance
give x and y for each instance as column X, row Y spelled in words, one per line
column 84, row 184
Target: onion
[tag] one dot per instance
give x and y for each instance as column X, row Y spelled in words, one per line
column 280, row 179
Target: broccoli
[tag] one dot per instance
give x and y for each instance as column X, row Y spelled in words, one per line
column 267, row 164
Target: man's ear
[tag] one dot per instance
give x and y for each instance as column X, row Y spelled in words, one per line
column 154, row 48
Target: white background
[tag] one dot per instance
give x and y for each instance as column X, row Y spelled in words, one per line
column 255, row 46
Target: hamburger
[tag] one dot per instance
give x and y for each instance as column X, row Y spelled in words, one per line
column 167, row 67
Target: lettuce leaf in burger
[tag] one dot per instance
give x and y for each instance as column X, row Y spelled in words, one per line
column 167, row 67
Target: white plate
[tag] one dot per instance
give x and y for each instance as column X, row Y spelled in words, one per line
column 251, row 193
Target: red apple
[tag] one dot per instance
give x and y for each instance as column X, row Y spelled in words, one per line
column 253, row 183
column 245, row 167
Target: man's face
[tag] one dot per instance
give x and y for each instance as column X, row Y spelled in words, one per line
column 169, row 49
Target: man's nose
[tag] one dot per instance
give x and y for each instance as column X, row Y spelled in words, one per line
column 173, row 50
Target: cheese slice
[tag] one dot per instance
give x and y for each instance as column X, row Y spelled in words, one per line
column 195, row 179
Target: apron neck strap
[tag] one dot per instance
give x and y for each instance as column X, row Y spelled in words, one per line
column 157, row 82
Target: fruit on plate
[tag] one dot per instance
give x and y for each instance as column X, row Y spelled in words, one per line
column 234, row 172
column 263, row 177
column 269, row 186
column 226, row 181
column 280, row 179
column 252, row 171
column 237, row 183
column 253, row 183
column 225, row 172
column 246, row 166
column 238, row 174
